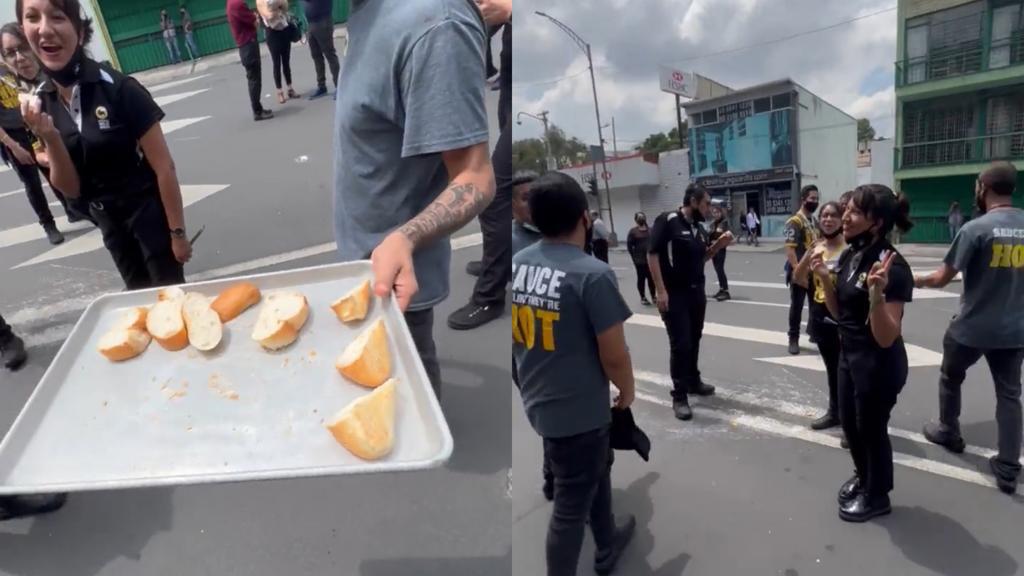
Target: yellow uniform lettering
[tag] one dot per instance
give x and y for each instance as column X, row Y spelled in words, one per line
column 526, row 326
column 1007, row 257
column 997, row 255
column 517, row 334
column 1018, row 256
column 547, row 328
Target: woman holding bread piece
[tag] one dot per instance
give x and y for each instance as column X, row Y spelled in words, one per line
column 102, row 132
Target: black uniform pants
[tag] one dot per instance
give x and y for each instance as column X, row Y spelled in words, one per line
column 797, row 295
column 828, row 346
column 643, row 277
column 719, row 262
column 1005, row 365
column 250, row 57
column 29, row 176
column 867, row 395
column 684, row 322
column 496, row 264
column 279, row 44
column 601, row 250
column 136, row 234
column 581, row 466
column 421, row 327
column 321, row 47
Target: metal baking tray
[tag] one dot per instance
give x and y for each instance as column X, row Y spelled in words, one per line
column 238, row 413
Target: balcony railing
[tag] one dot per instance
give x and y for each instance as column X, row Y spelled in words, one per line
column 1008, row 146
column 961, row 60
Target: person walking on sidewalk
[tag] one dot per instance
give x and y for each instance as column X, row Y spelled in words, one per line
column 637, row 242
column 190, row 38
column 320, row 37
column 243, row 23
column 989, row 252
column 170, row 37
column 799, row 235
column 600, row 238
column 753, row 222
column 719, row 226
column 279, row 33
column 564, row 361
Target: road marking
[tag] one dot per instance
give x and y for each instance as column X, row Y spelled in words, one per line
column 919, row 293
column 169, row 126
column 177, row 83
column 753, row 303
column 172, row 98
column 12, row 193
column 190, row 194
column 31, row 232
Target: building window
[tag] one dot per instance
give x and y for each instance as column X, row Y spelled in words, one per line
column 945, row 43
column 1006, row 36
column 782, row 101
column 940, row 132
column 762, row 105
column 710, row 117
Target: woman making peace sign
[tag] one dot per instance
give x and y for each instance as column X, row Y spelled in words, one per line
column 871, row 286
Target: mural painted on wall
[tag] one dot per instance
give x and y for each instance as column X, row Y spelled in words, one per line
column 757, row 142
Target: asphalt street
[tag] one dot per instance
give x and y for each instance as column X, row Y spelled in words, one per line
column 747, row 488
column 264, row 193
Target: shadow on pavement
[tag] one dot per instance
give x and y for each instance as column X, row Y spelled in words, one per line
column 941, row 544
column 981, row 433
column 489, row 566
column 91, row 531
column 636, row 500
column 476, row 400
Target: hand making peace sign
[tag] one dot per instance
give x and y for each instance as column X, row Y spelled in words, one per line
column 878, row 278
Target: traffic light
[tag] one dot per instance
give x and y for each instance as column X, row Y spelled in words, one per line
column 593, row 188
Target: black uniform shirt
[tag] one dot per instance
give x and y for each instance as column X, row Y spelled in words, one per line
column 681, row 247
column 115, row 112
column 852, row 293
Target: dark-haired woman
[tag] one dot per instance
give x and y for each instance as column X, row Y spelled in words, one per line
column 102, row 132
column 872, row 284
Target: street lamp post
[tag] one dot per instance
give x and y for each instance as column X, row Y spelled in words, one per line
column 615, row 144
column 543, row 118
column 597, row 110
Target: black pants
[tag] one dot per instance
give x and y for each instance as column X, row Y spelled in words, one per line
column 1005, row 365
column 280, row 45
column 797, row 295
column 827, row 335
column 581, row 466
column 867, row 395
column 250, row 56
column 29, row 176
column 491, row 31
column 6, row 335
column 421, row 326
column 601, row 250
column 135, row 233
column 684, row 322
column 643, row 277
column 719, row 261
column 321, row 47
column 496, row 264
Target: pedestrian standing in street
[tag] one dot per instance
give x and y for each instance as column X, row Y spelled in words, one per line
column 600, row 237
column 102, row 133
column 170, row 37
column 637, row 243
column 487, row 302
column 719, row 226
column 569, row 341
column 320, row 36
column 679, row 249
column 871, row 288
column 799, row 234
column 989, row 252
column 412, row 160
column 243, row 23
column 279, row 33
column 190, row 38
column 955, row 219
column 825, row 327
column 753, row 223
column 524, row 233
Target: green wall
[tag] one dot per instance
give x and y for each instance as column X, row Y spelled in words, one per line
column 929, row 203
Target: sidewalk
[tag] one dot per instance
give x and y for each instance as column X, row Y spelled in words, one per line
column 173, row 72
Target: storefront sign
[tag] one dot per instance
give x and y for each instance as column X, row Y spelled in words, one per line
column 678, row 82
column 743, row 178
column 777, row 202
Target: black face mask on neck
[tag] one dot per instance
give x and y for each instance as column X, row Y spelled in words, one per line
column 832, row 235
column 862, row 240
column 69, row 74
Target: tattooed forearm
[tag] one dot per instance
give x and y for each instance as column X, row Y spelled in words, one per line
column 452, row 210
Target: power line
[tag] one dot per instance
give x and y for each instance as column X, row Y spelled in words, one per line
column 554, row 80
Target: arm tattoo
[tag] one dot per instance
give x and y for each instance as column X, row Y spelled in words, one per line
column 453, row 209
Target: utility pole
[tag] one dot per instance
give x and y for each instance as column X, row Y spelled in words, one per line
column 543, row 118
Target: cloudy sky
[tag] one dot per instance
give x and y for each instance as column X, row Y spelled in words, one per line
column 850, row 65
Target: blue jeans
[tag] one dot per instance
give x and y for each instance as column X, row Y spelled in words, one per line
column 190, row 44
column 171, row 42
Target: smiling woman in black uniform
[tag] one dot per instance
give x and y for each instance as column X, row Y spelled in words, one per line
column 102, row 132
column 872, row 284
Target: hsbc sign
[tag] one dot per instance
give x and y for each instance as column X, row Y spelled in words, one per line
column 678, row 82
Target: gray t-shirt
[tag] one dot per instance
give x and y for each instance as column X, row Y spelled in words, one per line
column 989, row 252
column 523, row 236
column 601, row 231
column 410, row 90
column 562, row 299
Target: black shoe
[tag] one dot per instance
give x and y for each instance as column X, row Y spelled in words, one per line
column 794, row 346
column 1005, row 485
column 549, row 489
column 702, row 389
column 12, row 507
column 682, row 410
column 13, row 353
column 843, row 443
column 474, row 268
column 722, row 296
column 829, row 420
column 849, row 490
column 263, row 115
column 938, row 434
column 863, row 508
column 74, row 217
column 52, row 234
column 474, row 315
column 645, row 301
column 319, row 93
column 605, row 563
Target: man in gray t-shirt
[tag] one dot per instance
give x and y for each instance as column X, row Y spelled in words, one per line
column 989, row 252
column 412, row 163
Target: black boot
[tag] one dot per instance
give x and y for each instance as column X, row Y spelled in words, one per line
column 844, row 443
column 549, row 488
column 723, row 295
column 827, row 421
column 943, row 436
column 681, row 408
column 849, row 490
column 794, row 346
column 605, row 562
column 702, row 389
column 52, row 234
column 1006, row 485
column 12, row 507
column 863, row 508
column 474, row 268
column 13, row 354
column 474, row 315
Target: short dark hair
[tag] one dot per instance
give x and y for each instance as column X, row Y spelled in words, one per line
column 525, row 177
column 1000, row 177
column 73, row 10
column 881, row 203
column 806, row 191
column 694, row 193
column 557, row 202
column 14, row 29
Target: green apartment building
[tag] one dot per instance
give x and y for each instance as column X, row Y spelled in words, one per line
column 959, row 102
